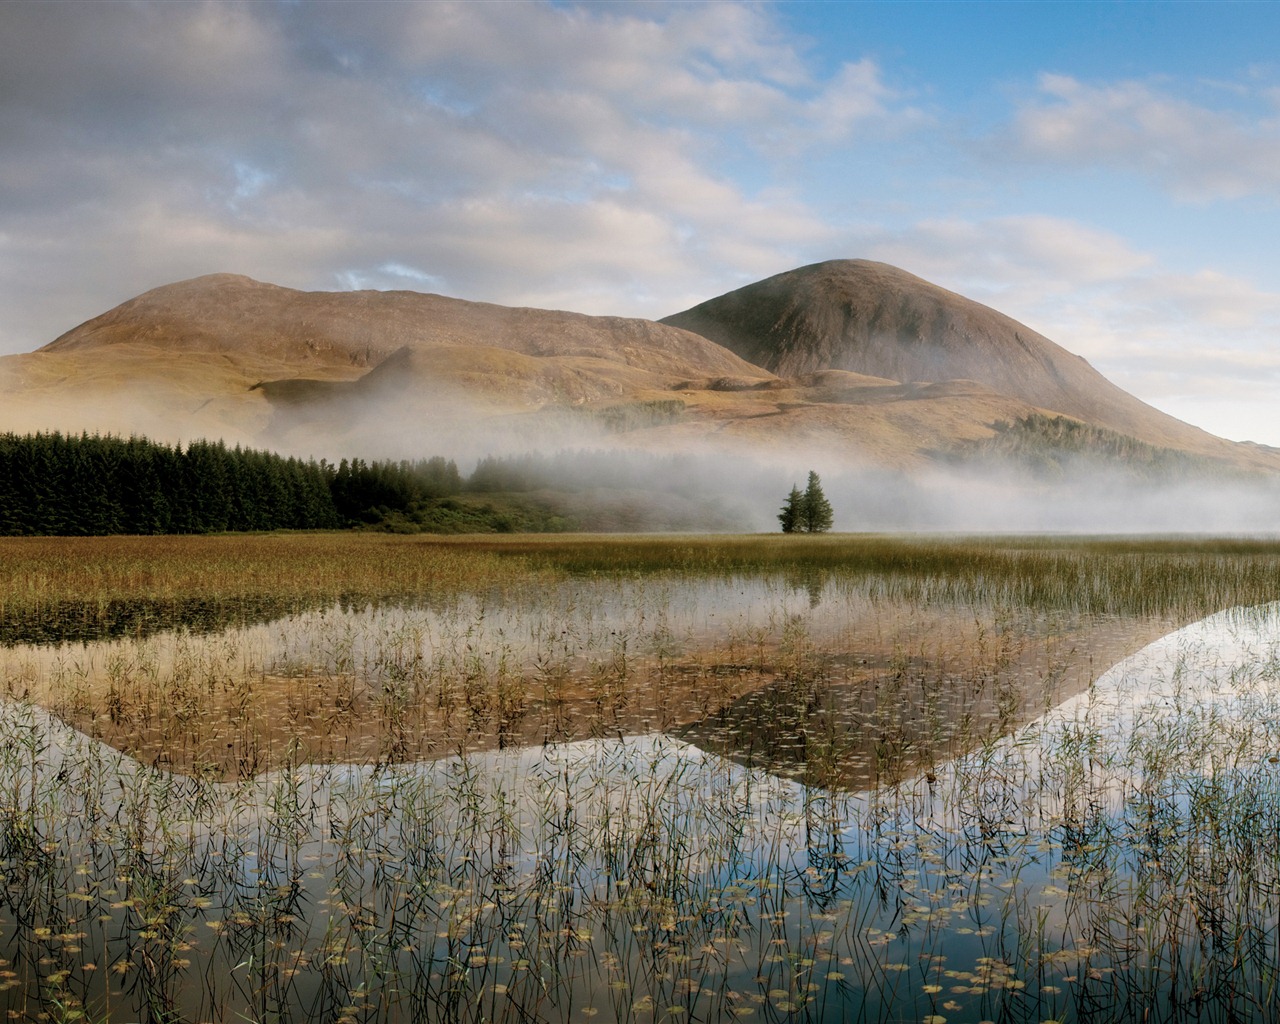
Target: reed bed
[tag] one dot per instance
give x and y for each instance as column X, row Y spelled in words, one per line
column 1184, row 576
column 1074, row 871
column 374, row 778
column 829, row 680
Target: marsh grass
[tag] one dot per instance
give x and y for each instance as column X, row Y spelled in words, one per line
column 844, row 689
column 1016, row 614
column 1077, row 870
column 489, row 839
column 1189, row 577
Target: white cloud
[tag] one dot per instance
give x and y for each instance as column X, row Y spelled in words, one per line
column 508, row 151
column 1199, row 151
column 1212, row 299
column 998, row 251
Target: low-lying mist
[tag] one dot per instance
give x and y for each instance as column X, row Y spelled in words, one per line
column 641, row 466
column 647, row 465
column 629, row 491
column 1084, row 500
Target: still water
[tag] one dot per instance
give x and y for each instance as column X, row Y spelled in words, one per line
column 759, row 667
column 1114, row 859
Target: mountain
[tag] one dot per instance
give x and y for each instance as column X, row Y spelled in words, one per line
column 872, row 318
column 847, row 362
column 226, row 355
column 228, row 313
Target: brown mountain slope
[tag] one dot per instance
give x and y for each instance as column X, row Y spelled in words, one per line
column 876, row 366
column 224, row 355
column 234, row 315
column 875, row 319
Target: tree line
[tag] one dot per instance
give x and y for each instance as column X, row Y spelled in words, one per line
column 55, row 484
column 88, row 484
column 1052, row 447
column 93, row 485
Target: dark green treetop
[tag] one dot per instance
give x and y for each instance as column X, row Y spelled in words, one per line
column 818, row 514
column 793, row 511
column 807, row 511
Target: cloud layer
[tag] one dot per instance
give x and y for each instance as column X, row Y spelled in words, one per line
column 514, row 152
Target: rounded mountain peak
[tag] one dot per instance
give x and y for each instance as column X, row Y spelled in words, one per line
column 869, row 318
column 875, row 319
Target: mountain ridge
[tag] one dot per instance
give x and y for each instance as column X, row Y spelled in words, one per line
column 365, row 327
column 849, row 360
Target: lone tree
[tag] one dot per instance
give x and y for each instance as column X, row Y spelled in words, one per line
column 807, row 511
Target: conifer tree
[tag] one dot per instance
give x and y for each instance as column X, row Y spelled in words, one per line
column 792, row 512
column 817, row 516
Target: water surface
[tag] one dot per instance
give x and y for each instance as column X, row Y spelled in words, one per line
column 1109, row 860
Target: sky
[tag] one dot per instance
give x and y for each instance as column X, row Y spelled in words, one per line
column 1106, row 173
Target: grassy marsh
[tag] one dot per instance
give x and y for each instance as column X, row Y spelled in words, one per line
column 1118, row 575
column 384, row 779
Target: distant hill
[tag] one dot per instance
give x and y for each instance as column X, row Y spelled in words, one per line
column 226, row 356
column 872, row 318
column 231, row 314
column 846, row 363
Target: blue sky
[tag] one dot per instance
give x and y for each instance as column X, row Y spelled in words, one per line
column 1107, row 173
